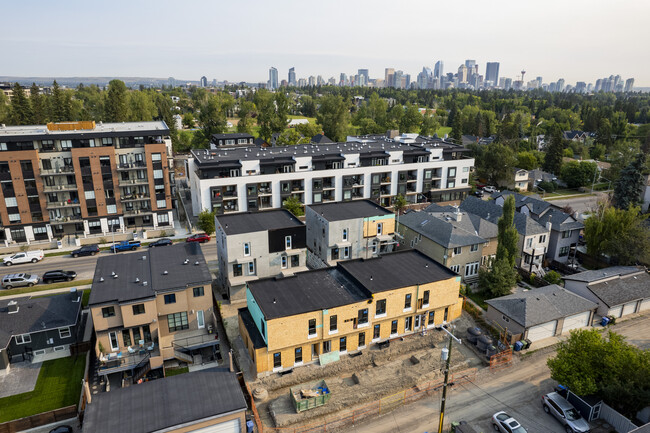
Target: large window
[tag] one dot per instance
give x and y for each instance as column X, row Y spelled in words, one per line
column 393, row 327
column 327, row 346
column 236, row 270
column 198, row 291
column 126, row 337
column 343, row 344
column 471, row 269
column 298, row 355
column 425, row 298
column 564, row 251
column 177, row 321
column 432, row 317
column 312, row 327
column 334, row 323
column 170, row 299
column 362, row 339
column 457, row 250
column 108, row 312
column 407, row 301
column 380, row 307
column 23, row 339
column 363, row 316
column 138, row 309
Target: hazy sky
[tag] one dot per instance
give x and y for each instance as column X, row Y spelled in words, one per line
column 578, row 40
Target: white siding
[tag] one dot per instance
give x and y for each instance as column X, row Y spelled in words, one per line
column 576, row 321
column 544, row 330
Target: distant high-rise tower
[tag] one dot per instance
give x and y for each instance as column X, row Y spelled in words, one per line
column 438, row 69
column 389, row 77
column 364, row 77
column 292, row 76
column 539, row 82
column 469, row 64
column 492, row 72
column 629, row 84
column 273, row 79
column 343, row 81
column 462, row 74
column 204, row 82
column 560, row 85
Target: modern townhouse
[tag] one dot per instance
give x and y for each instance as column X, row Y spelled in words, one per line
column 253, row 245
column 372, row 167
column 323, row 314
column 565, row 229
column 218, row 141
column 533, row 237
column 349, row 230
column 39, row 329
column 82, row 178
column 459, row 240
column 152, row 306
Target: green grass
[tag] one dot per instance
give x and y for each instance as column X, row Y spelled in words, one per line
column 443, row 130
column 176, row 371
column 43, row 287
column 479, row 298
column 58, row 385
column 312, row 120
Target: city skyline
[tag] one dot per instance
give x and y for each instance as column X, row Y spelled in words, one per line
column 504, row 34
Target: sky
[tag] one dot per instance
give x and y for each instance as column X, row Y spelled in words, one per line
column 578, row 40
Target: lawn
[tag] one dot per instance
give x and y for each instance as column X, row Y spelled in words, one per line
column 43, row 287
column 443, row 130
column 479, row 298
column 58, row 385
column 176, row 371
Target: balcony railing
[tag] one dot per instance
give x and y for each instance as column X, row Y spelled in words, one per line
column 138, row 165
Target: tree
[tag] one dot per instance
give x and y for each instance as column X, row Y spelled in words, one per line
column 293, row 205
column 5, row 108
column 246, row 114
column 604, row 134
column 553, row 277
column 507, row 235
column 578, row 173
column 499, row 280
column 429, row 124
column 21, row 109
column 269, row 118
column 334, row 116
column 206, row 222
column 58, row 111
column 495, row 163
column 554, row 152
column 307, row 106
column 213, row 117
column 457, row 129
column 141, row 107
column 412, row 119
column 308, row 130
column 400, row 203
column 606, row 366
column 290, row 137
column 117, row 109
column 188, row 121
column 39, row 112
column 527, row 160
column 628, row 189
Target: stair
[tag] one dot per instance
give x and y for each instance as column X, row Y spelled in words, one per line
column 142, row 372
column 182, row 356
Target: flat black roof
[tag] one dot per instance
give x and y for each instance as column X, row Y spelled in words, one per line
column 395, row 270
column 148, row 266
column 349, row 210
column 248, row 222
column 165, row 403
column 232, row 135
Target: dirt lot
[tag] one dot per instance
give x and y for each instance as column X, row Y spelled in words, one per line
column 376, row 373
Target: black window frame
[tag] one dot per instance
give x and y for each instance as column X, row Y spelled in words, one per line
column 408, row 301
column 178, row 321
column 297, row 355
column 393, row 327
column 198, row 291
column 380, row 307
column 334, row 325
column 362, row 317
column 311, row 327
column 425, row 298
column 138, row 309
column 170, row 298
column 343, row 344
column 376, row 332
column 277, row 360
column 108, row 312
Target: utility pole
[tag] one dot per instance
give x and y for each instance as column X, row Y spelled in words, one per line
column 444, row 388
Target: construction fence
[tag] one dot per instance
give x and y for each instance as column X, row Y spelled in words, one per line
column 376, row 408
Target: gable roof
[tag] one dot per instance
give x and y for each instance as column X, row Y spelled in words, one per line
column 489, row 210
column 626, row 288
column 543, row 211
column 346, row 210
column 601, row 274
column 560, row 221
column 38, row 314
column 533, row 307
column 249, row 222
column 443, row 229
column 536, row 205
column 320, row 139
column 165, row 403
column 148, row 266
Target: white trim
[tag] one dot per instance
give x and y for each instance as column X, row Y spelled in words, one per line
column 67, row 328
column 379, row 316
column 59, row 348
column 23, row 340
column 39, row 352
column 425, row 305
column 406, row 310
column 363, row 325
column 336, row 331
column 310, row 336
column 201, row 314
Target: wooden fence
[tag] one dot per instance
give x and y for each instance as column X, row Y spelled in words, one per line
column 41, row 419
column 620, row 423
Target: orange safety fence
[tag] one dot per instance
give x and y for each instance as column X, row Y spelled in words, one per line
column 501, row 360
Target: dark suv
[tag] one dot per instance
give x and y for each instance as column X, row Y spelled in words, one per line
column 86, row 250
column 51, row 276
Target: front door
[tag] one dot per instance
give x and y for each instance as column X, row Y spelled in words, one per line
column 417, row 321
column 115, row 345
column 200, row 320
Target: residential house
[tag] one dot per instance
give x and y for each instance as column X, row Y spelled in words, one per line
column 151, row 306
column 519, row 180
column 618, row 290
column 320, row 139
column 38, row 329
column 349, row 230
column 461, row 241
column 323, row 314
column 575, row 135
column 533, row 237
column 203, row 401
column 231, row 140
column 540, row 313
column 262, row 244
column 565, row 228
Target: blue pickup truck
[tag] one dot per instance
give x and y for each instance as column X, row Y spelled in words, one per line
column 125, row 246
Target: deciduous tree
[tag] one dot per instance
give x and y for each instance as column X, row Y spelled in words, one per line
column 334, row 116
column 206, row 222
column 629, row 186
column 117, row 108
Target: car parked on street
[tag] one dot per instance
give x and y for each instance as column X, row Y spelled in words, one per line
column 19, row 280
column 556, row 405
column 86, row 250
column 23, row 257
column 504, row 423
column 162, row 242
column 62, row 429
column 489, row 189
column 125, row 246
column 199, row 237
column 58, row 275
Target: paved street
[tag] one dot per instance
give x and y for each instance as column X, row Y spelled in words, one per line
column 580, row 204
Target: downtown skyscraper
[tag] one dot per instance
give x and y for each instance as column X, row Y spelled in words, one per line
column 273, row 79
column 492, row 73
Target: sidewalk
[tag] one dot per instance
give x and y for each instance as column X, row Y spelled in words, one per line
column 46, row 292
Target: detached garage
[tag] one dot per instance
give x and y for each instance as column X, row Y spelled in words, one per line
column 541, row 313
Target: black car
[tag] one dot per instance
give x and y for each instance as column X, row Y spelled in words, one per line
column 51, row 276
column 86, row 250
column 62, row 429
column 162, row 242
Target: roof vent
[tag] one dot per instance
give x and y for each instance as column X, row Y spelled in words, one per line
column 101, row 279
column 371, row 278
column 274, row 301
column 144, row 257
column 186, row 261
column 13, row 307
column 144, row 283
column 426, row 265
column 114, row 275
column 196, row 263
column 165, row 272
column 137, row 280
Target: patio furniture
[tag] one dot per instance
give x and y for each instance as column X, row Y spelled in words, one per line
column 150, row 348
column 130, row 349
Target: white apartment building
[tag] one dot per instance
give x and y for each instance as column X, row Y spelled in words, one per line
column 369, row 167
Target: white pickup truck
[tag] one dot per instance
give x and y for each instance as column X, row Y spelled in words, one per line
column 24, row 257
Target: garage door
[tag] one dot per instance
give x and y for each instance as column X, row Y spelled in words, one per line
column 575, row 322
column 231, row 426
column 645, row 305
column 544, row 330
column 616, row 311
column 629, row 308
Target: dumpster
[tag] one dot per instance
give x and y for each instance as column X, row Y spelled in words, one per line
column 310, row 395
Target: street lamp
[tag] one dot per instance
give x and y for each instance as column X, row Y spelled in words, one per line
column 444, row 388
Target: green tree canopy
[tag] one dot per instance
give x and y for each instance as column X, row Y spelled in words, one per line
column 554, row 152
column 334, row 116
column 495, row 162
column 628, row 188
column 117, row 108
column 527, row 160
column 578, row 173
column 206, row 222
column 499, row 280
column 293, row 205
column 21, row 109
column 246, row 119
column 507, row 235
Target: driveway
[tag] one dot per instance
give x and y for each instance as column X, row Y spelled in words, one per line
column 21, row 378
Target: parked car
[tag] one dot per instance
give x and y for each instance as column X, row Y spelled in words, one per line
column 489, row 189
column 62, row 429
column 161, row 243
column 125, row 246
column 199, row 237
column 504, row 423
column 556, row 405
column 86, row 250
column 58, row 275
column 19, row 280
column 24, row 257
column 478, row 193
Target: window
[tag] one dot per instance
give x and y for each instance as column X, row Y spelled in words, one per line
column 444, row 319
column 505, row 319
column 455, row 268
column 465, row 169
column 295, row 261
column 473, row 248
column 14, row 217
column 346, row 252
column 333, row 323
column 138, row 309
column 66, row 144
column 247, row 249
column 11, row 202
column 115, row 345
column 363, row 316
column 566, row 234
column 380, row 307
column 111, row 208
column 376, row 332
column 277, row 360
column 408, row 323
column 90, row 195
column 200, row 319
column 327, row 346
column 432, row 316
column 198, row 291
column 393, row 327
column 251, row 268
column 163, row 218
column 107, row 141
column 287, row 242
column 126, row 337
column 161, row 204
column 345, row 235
column 451, row 183
column 425, row 298
column 23, row 339
column 170, row 299
column 529, row 242
column 373, row 247
column 471, row 269
column 457, row 251
column 380, row 229
column 564, row 251
column 312, row 327
column 542, row 239
column 108, row 312
column 407, row 301
column 237, row 270
column 298, row 355
column 451, row 172
column 362, row 339
column 177, row 321
column 157, row 174
column 343, row 344
column 155, row 157
column 284, row 260
column 136, row 335
column 335, row 253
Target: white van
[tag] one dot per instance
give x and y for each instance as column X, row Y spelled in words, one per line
column 26, row 257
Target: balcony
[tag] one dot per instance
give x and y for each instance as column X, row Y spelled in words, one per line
column 62, row 171
column 137, row 211
column 196, row 338
column 60, row 188
column 385, row 180
column 136, row 197
column 117, row 362
column 67, row 219
column 63, row 204
column 130, row 182
column 138, row 165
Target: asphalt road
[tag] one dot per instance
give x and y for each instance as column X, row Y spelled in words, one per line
column 580, row 204
column 83, row 266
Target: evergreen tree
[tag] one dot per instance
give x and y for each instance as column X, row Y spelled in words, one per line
column 554, row 152
column 508, row 235
column 57, row 113
column 117, row 109
column 457, row 129
column 21, row 109
column 38, row 105
column 629, row 186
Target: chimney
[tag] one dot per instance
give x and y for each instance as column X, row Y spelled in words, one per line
column 458, row 215
column 13, row 307
column 392, row 133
